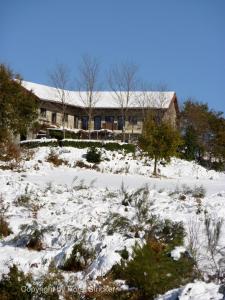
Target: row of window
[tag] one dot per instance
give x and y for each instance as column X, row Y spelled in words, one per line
column 109, row 121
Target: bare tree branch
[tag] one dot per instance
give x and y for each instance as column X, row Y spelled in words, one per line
column 88, row 85
column 123, row 82
column 60, row 79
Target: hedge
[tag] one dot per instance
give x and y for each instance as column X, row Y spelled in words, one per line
column 58, row 134
column 111, row 146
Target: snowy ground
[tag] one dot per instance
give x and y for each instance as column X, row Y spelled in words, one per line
column 71, row 204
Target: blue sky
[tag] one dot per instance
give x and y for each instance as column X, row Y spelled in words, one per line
column 180, row 43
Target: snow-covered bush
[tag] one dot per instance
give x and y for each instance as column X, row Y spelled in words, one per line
column 93, row 155
column 4, row 227
column 152, row 270
column 117, row 223
column 53, row 158
column 79, row 258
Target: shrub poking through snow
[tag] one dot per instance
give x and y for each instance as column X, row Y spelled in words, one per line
column 54, row 159
column 152, row 270
column 93, row 155
column 79, row 258
column 35, row 242
column 199, row 192
column 4, row 228
column 31, row 236
column 117, row 223
column 23, row 200
column 196, row 191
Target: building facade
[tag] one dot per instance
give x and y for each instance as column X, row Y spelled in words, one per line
column 108, row 113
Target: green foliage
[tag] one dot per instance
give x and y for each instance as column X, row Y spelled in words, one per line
column 159, row 140
column 204, row 134
column 18, row 107
column 190, row 147
column 124, row 254
column 13, row 285
column 152, row 270
column 93, row 155
column 58, row 134
column 117, row 223
column 128, row 148
column 79, row 259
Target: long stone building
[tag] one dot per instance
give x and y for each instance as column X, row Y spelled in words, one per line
column 108, row 111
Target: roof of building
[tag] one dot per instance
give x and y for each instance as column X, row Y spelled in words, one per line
column 104, row 99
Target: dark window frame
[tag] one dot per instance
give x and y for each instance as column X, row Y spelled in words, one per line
column 54, row 117
column 43, row 112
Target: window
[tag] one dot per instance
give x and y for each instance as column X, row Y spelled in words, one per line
column 75, row 124
column 66, row 117
column 53, row 118
column 133, row 120
column 97, row 123
column 109, row 119
column 43, row 112
column 109, row 122
column 121, row 123
column 84, row 122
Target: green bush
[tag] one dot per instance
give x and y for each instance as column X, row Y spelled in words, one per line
column 153, row 271
column 79, row 259
column 80, row 144
column 38, row 143
column 58, row 134
column 12, row 285
column 93, row 155
column 117, row 223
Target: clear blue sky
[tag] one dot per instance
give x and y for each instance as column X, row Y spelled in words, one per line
column 177, row 42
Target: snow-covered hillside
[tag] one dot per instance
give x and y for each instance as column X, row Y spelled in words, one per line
column 78, row 202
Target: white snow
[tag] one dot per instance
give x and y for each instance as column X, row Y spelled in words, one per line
column 77, row 204
column 194, row 291
column 177, row 252
column 106, row 98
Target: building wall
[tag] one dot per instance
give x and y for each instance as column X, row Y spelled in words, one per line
column 75, row 115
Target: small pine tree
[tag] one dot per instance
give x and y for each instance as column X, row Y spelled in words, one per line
column 159, row 140
column 93, row 155
column 191, row 147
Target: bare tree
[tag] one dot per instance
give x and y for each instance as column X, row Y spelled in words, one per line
column 152, row 100
column 88, row 85
column 60, row 79
column 123, row 82
column 144, row 98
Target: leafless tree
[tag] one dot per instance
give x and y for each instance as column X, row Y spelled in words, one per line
column 144, row 98
column 88, row 85
column 123, row 82
column 151, row 99
column 60, row 79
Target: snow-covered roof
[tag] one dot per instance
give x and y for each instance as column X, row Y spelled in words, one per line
column 106, row 99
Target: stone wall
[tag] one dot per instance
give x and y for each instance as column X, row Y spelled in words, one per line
column 50, row 113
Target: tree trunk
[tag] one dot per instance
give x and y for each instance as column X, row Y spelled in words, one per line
column 63, row 124
column 155, row 166
column 89, row 124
